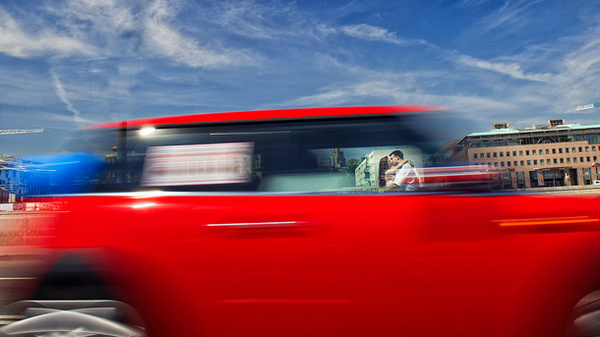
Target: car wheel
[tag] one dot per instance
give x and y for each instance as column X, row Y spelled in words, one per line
column 73, row 318
column 585, row 317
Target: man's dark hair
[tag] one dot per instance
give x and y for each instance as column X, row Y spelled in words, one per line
column 397, row 153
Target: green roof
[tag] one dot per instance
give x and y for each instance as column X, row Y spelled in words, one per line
column 494, row 132
column 579, row 127
column 515, row 131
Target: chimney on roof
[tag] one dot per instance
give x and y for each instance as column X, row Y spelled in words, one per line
column 555, row 122
column 499, row 126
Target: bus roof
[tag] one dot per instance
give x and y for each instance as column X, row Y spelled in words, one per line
column 282, row 114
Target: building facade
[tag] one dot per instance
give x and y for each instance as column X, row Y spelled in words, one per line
column 556, row 154
column 334, row 159
column 8, row 179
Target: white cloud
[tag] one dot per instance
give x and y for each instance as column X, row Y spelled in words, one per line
column 513, row 70
column 405, row 91
column 106, row 15
column 62, row 94
column 248, row 18
column 64, row 122
column 371, row 33
column 387, row 88
column 471, row 3
column 511, row 15
column 107, row 26
column 15, row 41
column 168, row 42
column 264, row 20
column 479, row 107
column 580, row 72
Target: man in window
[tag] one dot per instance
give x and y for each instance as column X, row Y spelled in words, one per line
column 406, row 177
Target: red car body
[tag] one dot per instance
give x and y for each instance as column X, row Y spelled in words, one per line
column 436, row 262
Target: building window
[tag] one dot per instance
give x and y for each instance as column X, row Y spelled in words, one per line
column 568, row 160
column 520, row 179
column 501, row 154
column 541, row 152
column 475, row 156
column 489, row 164
column 588, row 159
column 566, row 149
column 527, row 152
column 593, row 148
column 515, row 162
column 533, row 178
column 580, row 149
column 562, row 161
column 548, row 161
column 560, row 150
column 487, row 154
column 495, row 154
column 514, row 153
column 520, row 153
column 553, row 151
column 502, row 164
column 533, row 152
column 587, row 149
column 528, row 162
column 522, row 163
column 574, row 149
column 547, row 151
column 507, row 163
column 581, row 159
column 555, row 161
column 496, row 164
column 574, row 159
column 535, row 162
column 595, row 158
column 508, row 153
column 542, row 161
column 587, row 176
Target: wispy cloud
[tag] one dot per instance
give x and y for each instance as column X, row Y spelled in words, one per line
column 577, row 82
column 372, row 33
column 104, row 16
column 510, row 15
column 390, row 88
column 470, row 3
column 349, row 93
column 168, row 42
column 283, row 20
column 108, row 26
column 257, row 20
column 62, row 94
column 49, row 119
column 15, row 41
column 513, row 70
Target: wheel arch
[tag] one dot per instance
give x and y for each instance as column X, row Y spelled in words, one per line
column 72, row 277
column 543, row 302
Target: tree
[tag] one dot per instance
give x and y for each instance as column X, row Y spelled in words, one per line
column 351, row 165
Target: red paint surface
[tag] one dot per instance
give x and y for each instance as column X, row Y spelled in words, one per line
column 430, row 264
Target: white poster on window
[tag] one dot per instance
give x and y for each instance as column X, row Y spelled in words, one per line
column 198, row 164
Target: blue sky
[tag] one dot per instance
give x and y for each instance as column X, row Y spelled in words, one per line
column 65, row 64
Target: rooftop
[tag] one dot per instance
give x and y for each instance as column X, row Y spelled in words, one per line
column 536, row 128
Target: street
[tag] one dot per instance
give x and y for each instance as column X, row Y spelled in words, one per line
column 18, row 267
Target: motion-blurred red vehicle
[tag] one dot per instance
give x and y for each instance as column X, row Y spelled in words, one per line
column 278, row 223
